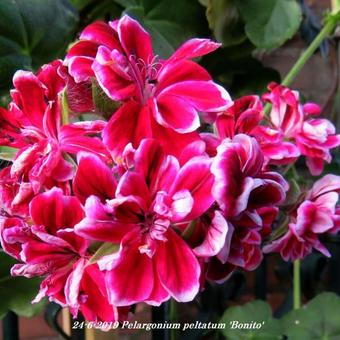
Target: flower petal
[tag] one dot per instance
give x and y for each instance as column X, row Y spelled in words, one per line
column 195, row 48
column 195, row 176
column 54, row 210
column 93, row 177
column 178, row 268
column 166, row 113
column 215, row 238
column 134, row 39
column 132, row 278
column 205, row 96
column 102, row 34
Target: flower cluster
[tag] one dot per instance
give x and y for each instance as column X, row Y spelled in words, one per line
column 140, row 205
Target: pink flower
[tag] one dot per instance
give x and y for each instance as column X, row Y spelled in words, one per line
column 316, row 215
column 314, row 141
column 79, row 95
column 81, row 55
column 36, row 106
column 14, row 196
column 242, row 117
column 291, row 132
column 10, row 130
column 51, row 248
column 286, row 118
column 151, row 203
column 151, row 89
column 237, row 242
column 240, row 183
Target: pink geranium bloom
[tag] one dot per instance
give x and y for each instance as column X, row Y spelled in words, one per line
column 240, row 183
column 78, row 72
column 152, row 89
column 50, row 248
column 286, row 118
column 10, row 130
column 316, row 215
column 36, row 106
column 242, row 117
column 14, row 196
column 291, row 132
column 314, row 141
column 224, row 246
column 151, row 203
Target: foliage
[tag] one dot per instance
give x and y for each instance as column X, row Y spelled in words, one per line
column 17, row 293
column 33, row 32
column 318, row 319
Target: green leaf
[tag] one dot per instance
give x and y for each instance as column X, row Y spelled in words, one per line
column 102, row 103
column 106, row 248
column 293, row 193
column 319, row 319
column 7, row 153
column 269, row 23
column 103, row 10
column 225, row 21
column 16, row 293
column 251, row 314
column 33, row 32
column 80, row 4
column 240, row 73
column 170, row 22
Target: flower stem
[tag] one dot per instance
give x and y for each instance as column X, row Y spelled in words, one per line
column 335, row 4
column 331, row 24
column 306, row 55
column 173, row 318
column 65, row 110
column 296, row 285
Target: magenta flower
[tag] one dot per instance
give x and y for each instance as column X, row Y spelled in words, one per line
column 14, row 196
column 151, row 89
column 242, row 117
column 237, row 242
column 50, row 248
column 150, row 204
column 314, row 141
column 240, row 183
column 286, row 118
column 316, row 215
column 36, row 107
column 291, row 132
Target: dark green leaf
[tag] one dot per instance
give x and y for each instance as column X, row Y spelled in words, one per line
column 293, row 193
column 106, row 248
column 238, row 71
column 319, row 319
column 252, row 313
column 269, row 23
column 16, row 293
column 170, row 22
column 104, row 10
column 103, row 104
column 7, row 153
column 33, row 32
column 80, row 4
column 225, row 21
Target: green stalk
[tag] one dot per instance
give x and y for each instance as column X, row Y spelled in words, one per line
column 335, row 6
column 329, row 27
column 306, row 55
column 65, row 110
column 173, row 318
column 296, row 285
